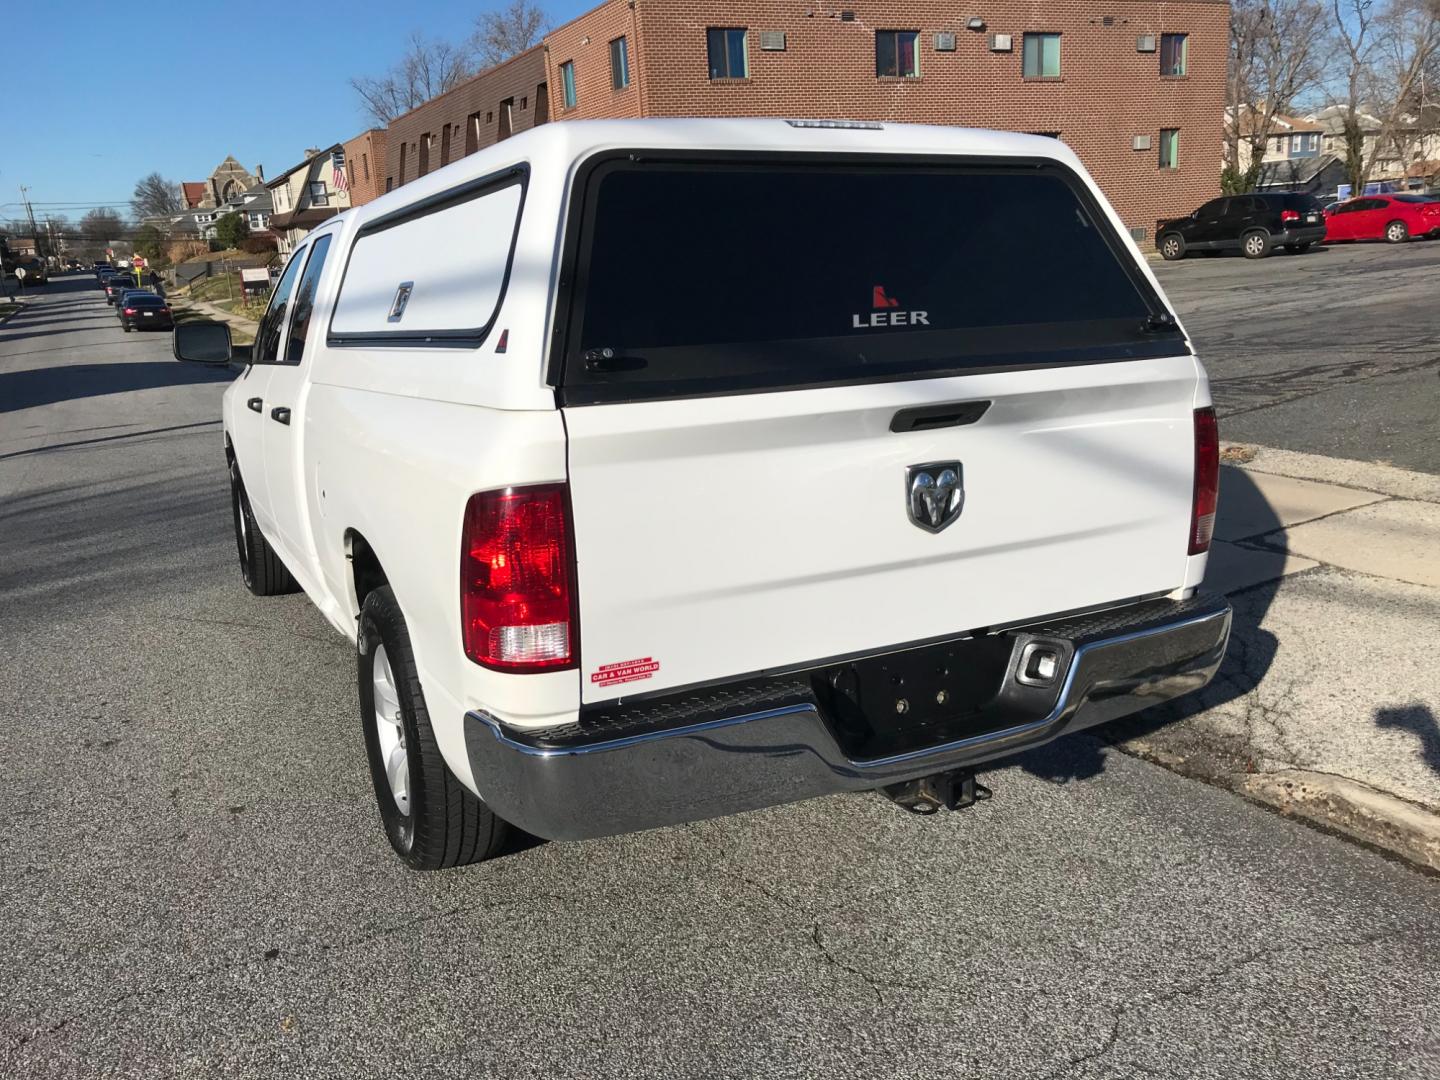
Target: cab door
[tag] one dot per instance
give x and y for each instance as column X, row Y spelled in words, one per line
column 284, row 426
column 249, row 415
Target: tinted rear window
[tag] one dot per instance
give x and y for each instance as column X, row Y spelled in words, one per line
column 723, row 276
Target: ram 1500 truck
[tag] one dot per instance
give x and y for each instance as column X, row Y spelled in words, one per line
column 668, row 469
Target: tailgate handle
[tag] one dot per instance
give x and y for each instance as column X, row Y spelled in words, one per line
column 956, row 414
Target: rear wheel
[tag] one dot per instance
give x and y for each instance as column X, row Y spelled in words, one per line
column 260, row 568
column 1172, row 247
column 431, row 819
column 1397, row 232
column 1297, row 249
column 1255, row 245
column 126, row 324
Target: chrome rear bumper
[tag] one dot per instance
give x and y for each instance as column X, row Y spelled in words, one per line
column 576, row 783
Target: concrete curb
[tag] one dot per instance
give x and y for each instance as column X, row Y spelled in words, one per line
column 1358, row 811
column 1369, row 476
column 19, row 307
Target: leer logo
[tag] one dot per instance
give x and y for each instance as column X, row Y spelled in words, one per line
column 885, row 315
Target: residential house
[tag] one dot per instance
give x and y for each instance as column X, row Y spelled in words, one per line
column 305, row 195
column 1409, row 155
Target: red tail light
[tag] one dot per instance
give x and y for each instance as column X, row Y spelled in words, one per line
column 129, row 311
column 1207, row 481
column 517, row 582
column 1289, row 215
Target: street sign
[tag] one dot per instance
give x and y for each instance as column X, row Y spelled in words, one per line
column 20, row 272
column 139, row 262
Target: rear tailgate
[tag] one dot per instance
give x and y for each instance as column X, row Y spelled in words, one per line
column 743, row 425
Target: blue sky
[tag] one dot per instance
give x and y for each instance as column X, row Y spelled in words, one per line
column 262, row 81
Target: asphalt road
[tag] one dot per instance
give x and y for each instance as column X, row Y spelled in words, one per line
column 1334, row 352
column 194, row 883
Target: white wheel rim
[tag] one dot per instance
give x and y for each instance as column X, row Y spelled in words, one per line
column 1254, row 244
column 390, row 728
column 1395, row 232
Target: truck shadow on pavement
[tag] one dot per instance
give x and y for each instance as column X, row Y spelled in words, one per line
column 1420, row 721
column 68, row 382
column 1248, row 658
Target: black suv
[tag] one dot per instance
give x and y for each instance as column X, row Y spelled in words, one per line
column 1254, row 223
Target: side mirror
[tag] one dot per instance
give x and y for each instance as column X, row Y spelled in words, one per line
column 207, row 343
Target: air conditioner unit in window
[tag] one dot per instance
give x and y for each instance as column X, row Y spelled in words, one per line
column 1145, row 43
column 945, row 41
column 772, row 40
column 1140, row 142
column 1002, row 42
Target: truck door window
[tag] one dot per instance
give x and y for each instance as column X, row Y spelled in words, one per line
column 304, row 304
column 267, row 340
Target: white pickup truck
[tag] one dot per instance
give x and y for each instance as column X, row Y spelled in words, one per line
column 668, row 469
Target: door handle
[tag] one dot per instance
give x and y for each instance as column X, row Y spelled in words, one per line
column 254, row 404
column 928, row 417
column 281, row 413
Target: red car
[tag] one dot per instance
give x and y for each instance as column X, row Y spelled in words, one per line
column 1395, row 218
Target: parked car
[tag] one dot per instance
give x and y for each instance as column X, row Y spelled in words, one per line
column 146, row 311
column 116, row 284
column 976, row 519
column 1253, row 224
column 1394, row 218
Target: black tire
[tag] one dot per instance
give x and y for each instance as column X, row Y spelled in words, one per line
column 126, row 325
column 260, row 568
column 445, row 825
column 1172, row 247
column 1298, row 249
column 1397, row 232
column 1255, row 244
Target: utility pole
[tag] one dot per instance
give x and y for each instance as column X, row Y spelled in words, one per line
column 34, row 228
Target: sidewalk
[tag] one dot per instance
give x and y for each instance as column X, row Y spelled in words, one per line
column 242, row 329
column 1326, row 705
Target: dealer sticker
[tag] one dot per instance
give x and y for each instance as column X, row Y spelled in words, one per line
column 625, row 671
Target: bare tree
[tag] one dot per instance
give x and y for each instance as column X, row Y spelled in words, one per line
column 507, row 31
column 155, row 197
column 102, row 224
column 427, row 70
column 1407, row 43
column 1276, row 57
column 1384, row 51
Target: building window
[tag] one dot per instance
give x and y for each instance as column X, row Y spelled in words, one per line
column 507, row 111
column 729, row 55
column 389, row 184
column 472, row 133
column 567, row 81
column 444, row 144
column 1173, row 53
column 1042, row 56
column 897, row 54
column 424, row 153
column 402, row 162
column 619, row 64
column 318, row 195
column 365, row 165
column 1169, row 148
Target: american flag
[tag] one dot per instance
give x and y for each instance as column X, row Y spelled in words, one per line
column 338, row 180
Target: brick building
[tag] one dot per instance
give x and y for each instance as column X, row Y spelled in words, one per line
column 365, row 165
column 1135, row 87
column 495, row 104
